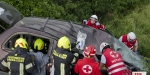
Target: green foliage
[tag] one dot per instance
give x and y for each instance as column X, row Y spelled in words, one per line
column 138, row 22
column 147, row 63
column 119, row 16
column 75, row 10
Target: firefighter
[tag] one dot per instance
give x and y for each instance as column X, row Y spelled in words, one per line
column 93, row 22
column 18, row 62
column 40, row 59
column 64, row 57
column 130, row 41
column 112, row 60
column 87, row 65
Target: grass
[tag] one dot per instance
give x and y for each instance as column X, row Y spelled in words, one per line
column 137, row 21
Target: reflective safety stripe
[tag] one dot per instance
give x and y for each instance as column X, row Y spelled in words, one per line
column 116, row 70
column 76, row 54
column 4, row 63
column 62, row 69
column 8, row 64
column 115, row 65
column 21, row 69
column 53, row 65
column 29, row 66
column 73, row 61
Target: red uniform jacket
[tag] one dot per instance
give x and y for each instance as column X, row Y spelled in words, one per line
column 97, row 25
column 114, row 62
column 87, row 66
column 128, row 43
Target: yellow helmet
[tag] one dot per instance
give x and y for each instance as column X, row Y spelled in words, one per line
column 63, row 42
column 38, row 44
column 22, row 43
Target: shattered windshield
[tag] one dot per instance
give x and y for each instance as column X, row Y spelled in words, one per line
column 9, row 14
column 96, row 37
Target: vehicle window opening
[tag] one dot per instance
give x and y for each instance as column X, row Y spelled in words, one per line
column 11, row 42
column 46, row 44
column 9, row 45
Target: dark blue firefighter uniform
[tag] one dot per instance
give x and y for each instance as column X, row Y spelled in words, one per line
column 18, row 62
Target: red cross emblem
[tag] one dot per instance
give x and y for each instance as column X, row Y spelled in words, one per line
column 87, row 69
column 113, row 54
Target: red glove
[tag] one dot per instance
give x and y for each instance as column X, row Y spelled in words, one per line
column 102, row 27
column 131, row 48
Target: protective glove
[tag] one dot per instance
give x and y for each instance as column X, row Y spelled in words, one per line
column 102, row 27
column 73, row 45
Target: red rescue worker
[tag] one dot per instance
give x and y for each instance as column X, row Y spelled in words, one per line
column 112, row 60
column 93, row 22
column 87, row 65
column 130, row 41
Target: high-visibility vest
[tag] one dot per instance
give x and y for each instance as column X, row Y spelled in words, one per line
column 127, row 43
column 114, row 62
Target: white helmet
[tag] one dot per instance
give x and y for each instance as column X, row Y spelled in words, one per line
column 94, row 17
column 104, row 45
column 131, row 36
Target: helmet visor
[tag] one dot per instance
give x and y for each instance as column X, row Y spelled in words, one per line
column 92, row 18
column 131, row 40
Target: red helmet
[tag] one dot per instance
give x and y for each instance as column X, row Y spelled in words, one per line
column 89, row 51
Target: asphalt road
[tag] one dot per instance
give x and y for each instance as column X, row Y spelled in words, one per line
column 3, row 73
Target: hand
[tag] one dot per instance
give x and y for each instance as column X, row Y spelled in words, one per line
column 102, row 27
column 74, row 44
column 49, row 64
